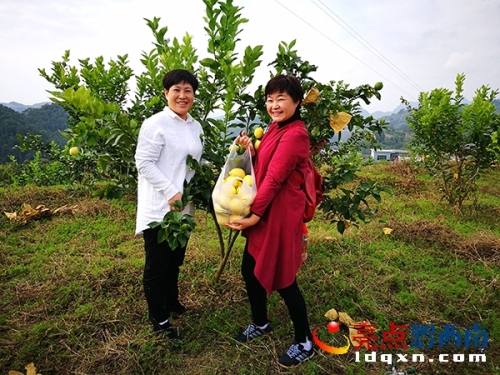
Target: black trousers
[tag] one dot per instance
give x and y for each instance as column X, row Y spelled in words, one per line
column 161, row 275
column 257, row 297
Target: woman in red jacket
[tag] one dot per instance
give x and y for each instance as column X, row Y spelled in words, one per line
column 273, row 250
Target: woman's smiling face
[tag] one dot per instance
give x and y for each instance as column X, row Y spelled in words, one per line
column 280, row 106
column 180, row 98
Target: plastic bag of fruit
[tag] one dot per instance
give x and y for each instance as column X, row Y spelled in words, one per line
column 235, row 189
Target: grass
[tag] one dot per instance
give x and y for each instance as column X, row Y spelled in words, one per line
column 71, row 299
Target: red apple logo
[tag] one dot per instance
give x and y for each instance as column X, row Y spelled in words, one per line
column 333, row 326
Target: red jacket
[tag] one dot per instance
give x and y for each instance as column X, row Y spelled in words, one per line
column 275, row 242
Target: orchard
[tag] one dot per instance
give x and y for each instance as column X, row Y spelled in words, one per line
column 105, row 116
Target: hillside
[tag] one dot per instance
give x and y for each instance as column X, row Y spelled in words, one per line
column 45, row 121
column 399, row 133
column 50, row 117
column 19, row 107
column 13, row 123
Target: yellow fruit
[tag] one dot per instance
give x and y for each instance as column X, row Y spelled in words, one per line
column 218, row 208
column 236, row 206
column 244, row 198
column 237, row 183
column 235, row 147
column 248, row 179
column 222, row 219
column 234, row 190
column 238, row 172
column 256, row 144
column 246, row 211
column 221, row 201
column 228, row 178
column 235, row 217
column 259, row 132
column 73, row 151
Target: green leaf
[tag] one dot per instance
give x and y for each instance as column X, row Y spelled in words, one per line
column 161, row 235
column 154, row 224
column 208, row 62
column 172, row 242
column 182, row 240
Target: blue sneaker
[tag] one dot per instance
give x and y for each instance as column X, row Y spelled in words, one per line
column 252, row 332
column 295, row 355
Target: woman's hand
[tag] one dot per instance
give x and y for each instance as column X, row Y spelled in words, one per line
column 171, row 201
column 243, row 223
column 246, row 142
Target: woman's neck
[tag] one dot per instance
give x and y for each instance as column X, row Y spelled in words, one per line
column 295, row 116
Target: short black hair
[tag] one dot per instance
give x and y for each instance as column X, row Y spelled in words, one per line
column 287, row 84
column 177, row 76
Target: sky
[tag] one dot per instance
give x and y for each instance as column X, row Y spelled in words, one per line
column 411, row 46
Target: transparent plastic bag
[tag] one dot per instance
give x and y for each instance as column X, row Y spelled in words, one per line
column 235, row 188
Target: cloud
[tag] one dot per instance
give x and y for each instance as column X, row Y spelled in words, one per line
column 415, row 46
column 458, row 59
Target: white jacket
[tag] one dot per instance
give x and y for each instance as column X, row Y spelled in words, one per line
column 165, row 140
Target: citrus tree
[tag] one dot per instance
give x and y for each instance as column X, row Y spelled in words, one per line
column 105, row 117
column 454, row 140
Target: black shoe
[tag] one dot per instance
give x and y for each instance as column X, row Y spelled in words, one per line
column 252, row 332
column 295, row 355
column 177, row 310
column 167, row 329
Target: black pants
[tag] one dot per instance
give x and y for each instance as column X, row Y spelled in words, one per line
column 161, row 275
column 292, row 296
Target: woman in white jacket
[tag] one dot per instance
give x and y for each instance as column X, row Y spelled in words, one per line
column 165, row 141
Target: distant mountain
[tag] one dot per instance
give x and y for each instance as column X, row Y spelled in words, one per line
column 46, row 121
column 497, row 103
column 51, row 118
column 379, row 114
column 18, row 107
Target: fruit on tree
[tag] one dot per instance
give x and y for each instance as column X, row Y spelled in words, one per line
column 259, row 132
column 73, row 151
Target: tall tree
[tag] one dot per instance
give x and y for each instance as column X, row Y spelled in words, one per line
column 454, row 140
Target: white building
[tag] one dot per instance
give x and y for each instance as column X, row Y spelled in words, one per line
column 389, row 155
